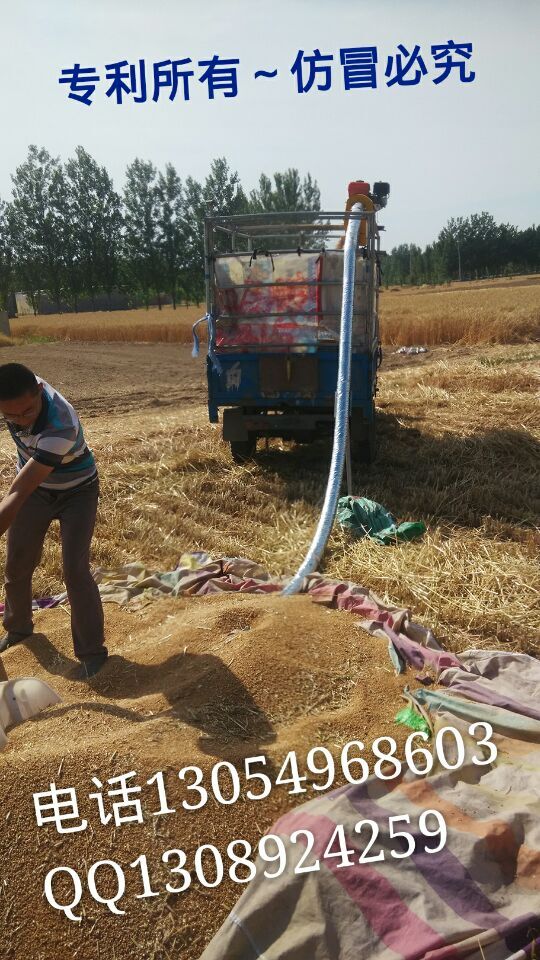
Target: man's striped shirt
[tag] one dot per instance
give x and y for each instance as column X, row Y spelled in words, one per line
column 56, row 439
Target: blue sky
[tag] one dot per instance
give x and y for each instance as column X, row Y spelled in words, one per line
column 447, row 149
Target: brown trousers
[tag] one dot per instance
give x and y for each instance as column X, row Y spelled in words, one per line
column 76, row 510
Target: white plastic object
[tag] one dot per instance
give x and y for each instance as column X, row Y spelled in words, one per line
column 22, row 699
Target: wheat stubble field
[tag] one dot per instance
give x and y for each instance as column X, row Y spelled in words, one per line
column 459, row 449
column 487, row 311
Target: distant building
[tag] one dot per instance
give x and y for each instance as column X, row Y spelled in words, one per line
column 23, row 307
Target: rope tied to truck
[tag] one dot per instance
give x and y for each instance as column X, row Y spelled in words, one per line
column 211, row 327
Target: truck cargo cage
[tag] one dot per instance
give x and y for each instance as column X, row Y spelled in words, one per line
column 273, row 295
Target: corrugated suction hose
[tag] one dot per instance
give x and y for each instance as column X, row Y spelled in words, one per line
column 341, row 412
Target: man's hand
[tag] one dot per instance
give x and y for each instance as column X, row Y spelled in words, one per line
column 26, row 481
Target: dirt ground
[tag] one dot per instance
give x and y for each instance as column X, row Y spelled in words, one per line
column 111, row 378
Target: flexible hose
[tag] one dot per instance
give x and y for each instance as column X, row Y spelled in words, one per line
column 341, row 414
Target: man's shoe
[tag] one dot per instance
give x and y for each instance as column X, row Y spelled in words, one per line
column 88, row 668
column 11, row 639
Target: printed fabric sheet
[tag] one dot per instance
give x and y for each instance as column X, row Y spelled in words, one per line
column 288, row 299
column 479, row 897
column 268, row 300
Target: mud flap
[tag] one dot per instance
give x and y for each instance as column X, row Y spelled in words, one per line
column 21, row 700
column 234, row 427
column 363, row 438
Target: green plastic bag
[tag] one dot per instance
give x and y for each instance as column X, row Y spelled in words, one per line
column 410, row 718
column 366, row 518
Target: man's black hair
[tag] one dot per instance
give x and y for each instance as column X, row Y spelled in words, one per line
column 16, row 380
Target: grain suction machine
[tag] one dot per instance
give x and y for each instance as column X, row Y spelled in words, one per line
column 274, row 299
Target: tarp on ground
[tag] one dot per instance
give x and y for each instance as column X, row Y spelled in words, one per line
column 478, row 898
column 199, row 574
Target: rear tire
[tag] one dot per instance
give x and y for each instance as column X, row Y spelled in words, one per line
column 243, row 450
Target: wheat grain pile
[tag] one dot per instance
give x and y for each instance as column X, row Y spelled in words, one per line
column 190, row 681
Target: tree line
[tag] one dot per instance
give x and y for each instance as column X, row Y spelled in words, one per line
column 467, row 248
column 68, row 233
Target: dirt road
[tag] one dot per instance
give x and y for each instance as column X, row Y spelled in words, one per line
column 110, row 378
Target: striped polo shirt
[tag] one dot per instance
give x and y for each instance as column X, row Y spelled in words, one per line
column 56, row 439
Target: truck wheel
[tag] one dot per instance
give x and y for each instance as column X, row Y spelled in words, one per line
column 243, row 450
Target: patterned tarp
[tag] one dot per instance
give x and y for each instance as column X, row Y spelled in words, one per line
column 479, row 897
column 287, row 299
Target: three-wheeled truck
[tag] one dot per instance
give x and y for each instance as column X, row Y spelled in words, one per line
column 274, row 292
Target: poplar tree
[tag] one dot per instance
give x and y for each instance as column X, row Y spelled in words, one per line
column 96, row 220
column 141, row 233
column 38, row 216
column 7, row 262
column 172, row 230
column 287, row 192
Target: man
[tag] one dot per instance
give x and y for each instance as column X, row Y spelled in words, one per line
column 56, row 479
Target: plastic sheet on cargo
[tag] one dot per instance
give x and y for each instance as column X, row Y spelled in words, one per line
column 330, row 299
column 267, row 299
column 287, row 298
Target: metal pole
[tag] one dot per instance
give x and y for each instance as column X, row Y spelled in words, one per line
column 207, row 255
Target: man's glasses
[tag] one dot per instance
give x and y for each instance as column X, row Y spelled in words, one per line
column 23, row 415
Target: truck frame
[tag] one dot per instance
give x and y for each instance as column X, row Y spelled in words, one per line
column 273, row 298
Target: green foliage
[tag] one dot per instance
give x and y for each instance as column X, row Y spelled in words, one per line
column 39, row 226
column 7, row 271
column 143, row 266
column 466, row 248
column 172, row 232
column 288, row 192
column 67, row 233
column 220, row 194
column 95, row 216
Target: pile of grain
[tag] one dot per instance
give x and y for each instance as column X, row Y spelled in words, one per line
column 189, row 681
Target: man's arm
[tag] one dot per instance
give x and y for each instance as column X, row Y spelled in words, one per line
column 26, row 481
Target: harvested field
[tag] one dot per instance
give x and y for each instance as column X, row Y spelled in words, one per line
column 496, row 311
column 197, row 680
column 472, row 314
column 459, row 449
